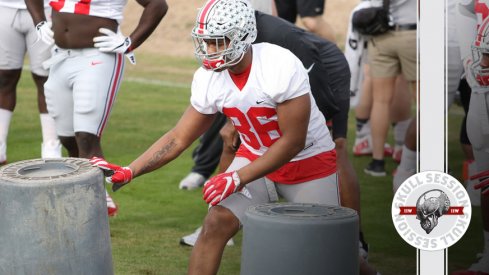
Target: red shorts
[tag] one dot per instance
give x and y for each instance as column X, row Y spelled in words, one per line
column 318, row 166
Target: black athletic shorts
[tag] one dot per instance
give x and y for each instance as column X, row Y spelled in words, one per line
column 289, row 9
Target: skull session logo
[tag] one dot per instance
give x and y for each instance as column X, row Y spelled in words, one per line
column 428, row 210
column 431, row 210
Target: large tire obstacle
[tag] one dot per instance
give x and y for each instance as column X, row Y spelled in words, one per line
column 53, row 218
column 300, row 239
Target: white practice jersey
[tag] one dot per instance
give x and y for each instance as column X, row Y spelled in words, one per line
column 112, row 9
column 276, row 75
column 18, row 4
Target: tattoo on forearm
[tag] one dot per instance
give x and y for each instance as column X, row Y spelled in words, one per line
column 159, row 155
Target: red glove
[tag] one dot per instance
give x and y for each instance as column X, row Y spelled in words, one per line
column 115, row 174
column 483, row 182
column 220, row 187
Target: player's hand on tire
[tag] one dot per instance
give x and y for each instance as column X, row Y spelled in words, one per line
column 115, row 174
column 220, row 187
column 115, row 43
column 45, row 33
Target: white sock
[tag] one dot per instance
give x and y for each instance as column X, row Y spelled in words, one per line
column 5, row 118
column 408, row 159
column 400, row 131
column 365, row 131
column 48, row 128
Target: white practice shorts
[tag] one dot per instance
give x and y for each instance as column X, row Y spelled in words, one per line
column 263, row 190
column 81, row 89
column 18, row 35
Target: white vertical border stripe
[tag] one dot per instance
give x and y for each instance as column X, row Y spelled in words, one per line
column 431, row 127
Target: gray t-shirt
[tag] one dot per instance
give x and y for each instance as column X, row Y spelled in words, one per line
column 403, row 11
column 264, row 6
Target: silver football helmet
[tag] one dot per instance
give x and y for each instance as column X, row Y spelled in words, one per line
column 480, row 47
column 231, row 25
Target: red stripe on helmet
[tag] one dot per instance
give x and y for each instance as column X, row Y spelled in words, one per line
column 203, row 15
column 481, row 32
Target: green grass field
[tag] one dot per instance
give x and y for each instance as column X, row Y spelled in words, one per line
column 154, row 214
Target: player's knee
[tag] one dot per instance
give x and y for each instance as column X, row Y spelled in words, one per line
column 9, row 79
column 219, row 222
column 39, row 80
column 88, row 145
column 70, row 144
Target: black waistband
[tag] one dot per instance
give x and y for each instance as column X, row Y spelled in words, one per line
column 404, row 27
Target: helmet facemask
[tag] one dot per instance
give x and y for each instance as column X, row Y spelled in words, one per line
column 481, row 74
column 226, row 54
column 228, row 24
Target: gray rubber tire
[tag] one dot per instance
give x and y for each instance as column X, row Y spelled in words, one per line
column 54, row 219
column 300, row 239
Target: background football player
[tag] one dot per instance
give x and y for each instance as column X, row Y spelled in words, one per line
column 87, row 65
column 18, row 38
column 474, row 50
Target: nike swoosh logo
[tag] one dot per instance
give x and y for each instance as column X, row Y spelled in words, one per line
column 96, row 63
column 310, row 68
column 260, row 102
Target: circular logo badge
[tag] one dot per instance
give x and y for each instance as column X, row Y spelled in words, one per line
column 431, row 210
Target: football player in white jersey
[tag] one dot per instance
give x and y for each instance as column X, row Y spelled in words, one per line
column 87, row 65
column 264, row 90
column 18, row 38
column 474, row 49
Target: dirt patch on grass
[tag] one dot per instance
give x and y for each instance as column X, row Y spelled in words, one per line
column 172, row 37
